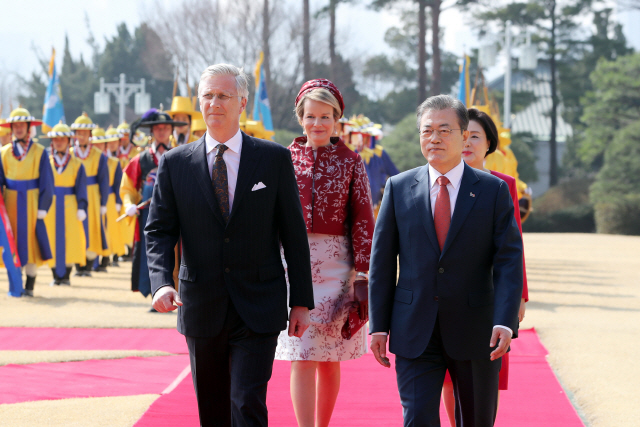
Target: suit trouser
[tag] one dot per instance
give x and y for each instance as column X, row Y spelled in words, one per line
column 475, row 386
column 230, row 374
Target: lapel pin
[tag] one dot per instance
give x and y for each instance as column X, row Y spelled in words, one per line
column 472, row 195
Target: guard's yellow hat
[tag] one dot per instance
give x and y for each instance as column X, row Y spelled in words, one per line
column 99, row 136
column 3, row 130
column 60, row 129
column 124, row 128
column 83, row 122
column 198, row 122
column 21, row 115
column 181, row 105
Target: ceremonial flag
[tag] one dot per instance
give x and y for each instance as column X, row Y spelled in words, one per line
column 463, row 91
column 261, row 107
column 53, row 111
column 10, row 253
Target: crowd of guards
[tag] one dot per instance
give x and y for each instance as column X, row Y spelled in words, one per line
column 76, row 199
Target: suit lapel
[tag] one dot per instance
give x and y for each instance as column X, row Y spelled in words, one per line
column 464, row 203
column 422, row 200
column 249, row 157
column 200, row 169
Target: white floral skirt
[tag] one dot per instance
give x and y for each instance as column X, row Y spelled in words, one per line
column 333, row 275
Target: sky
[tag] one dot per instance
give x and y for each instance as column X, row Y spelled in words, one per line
column 43, row 24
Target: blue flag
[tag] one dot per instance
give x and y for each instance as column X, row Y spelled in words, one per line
column 53, row 110
column 463, row 90
column 261, row 106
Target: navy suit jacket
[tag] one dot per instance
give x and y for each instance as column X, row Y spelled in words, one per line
column 239, row 261
column 472, row 285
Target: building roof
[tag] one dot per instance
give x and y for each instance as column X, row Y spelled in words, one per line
column 536, row 119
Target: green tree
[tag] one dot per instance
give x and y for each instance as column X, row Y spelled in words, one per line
column 616, row 192
column 403, row 144
column 611, row 106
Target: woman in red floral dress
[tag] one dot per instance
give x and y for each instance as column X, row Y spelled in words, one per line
column 336, row 203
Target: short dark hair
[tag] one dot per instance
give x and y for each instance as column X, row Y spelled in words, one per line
column 444, row 102
column 484, row 120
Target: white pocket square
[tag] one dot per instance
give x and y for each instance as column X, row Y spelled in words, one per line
column 258, row 186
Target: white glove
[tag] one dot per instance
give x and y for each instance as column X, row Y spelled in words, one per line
column 103, row 210
column 118, row 207
column 81, row 215
column 41, row 214
column 131, row 210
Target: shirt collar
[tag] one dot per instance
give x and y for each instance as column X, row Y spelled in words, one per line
column 454, row 175
column 234, row 144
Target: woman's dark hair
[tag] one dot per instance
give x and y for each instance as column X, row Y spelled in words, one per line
column 489, row 127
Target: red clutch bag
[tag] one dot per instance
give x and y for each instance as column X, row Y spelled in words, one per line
column 354, row 322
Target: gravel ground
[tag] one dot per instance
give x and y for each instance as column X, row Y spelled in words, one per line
column 585, row 305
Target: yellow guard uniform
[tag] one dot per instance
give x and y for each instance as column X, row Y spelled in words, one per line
column 97, row 170
column 28, row 187
column 70, row 194
column 115, row 231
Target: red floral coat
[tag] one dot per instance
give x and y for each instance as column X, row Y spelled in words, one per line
column 335, row 194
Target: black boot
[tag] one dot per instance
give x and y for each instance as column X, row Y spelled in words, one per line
column 28, row 287
column 56, row 279
column 64, row 280
column 102, row 267
column 114, row 261
column 79, row 271
column 87, row 268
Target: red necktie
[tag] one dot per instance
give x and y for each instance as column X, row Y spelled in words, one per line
column 442, row 211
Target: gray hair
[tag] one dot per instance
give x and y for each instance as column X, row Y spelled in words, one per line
column 242, row 79
column 444, row 102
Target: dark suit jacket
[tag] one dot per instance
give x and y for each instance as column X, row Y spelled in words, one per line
column 238, row 262
column 474, row 284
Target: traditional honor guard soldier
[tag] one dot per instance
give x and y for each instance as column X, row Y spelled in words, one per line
column 127, row 149
column 95, row 166
column 182, row 110
column 65, row 218
column 137, row 186
column 27, row 180
column 108, row 143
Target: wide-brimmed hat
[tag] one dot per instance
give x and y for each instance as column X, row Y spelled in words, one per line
column 59, row 130
column 153, row 117
column 99, row 136
column 83, row 122
column 20, row 115
column 181, row 105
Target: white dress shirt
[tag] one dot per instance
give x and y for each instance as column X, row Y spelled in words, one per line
column 455, row 177
column 231, row 157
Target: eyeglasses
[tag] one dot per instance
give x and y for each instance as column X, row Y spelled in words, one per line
column 223, row 97
column 444, row 133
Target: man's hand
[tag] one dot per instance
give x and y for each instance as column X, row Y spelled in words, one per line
column 118, row 207
column 166, row 299
column 41, row 214
column 523, row 307
column 103, row 210
column 81, row 215
column 299, row 321
column 379, row 349
column 503, row 338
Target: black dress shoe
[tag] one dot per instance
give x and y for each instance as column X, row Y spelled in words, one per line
column 64, row 282
column 153, row 310
column 28, row 293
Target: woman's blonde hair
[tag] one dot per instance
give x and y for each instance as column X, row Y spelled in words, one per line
column 321, row 95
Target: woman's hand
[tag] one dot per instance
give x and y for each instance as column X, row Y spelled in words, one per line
column 522, row 310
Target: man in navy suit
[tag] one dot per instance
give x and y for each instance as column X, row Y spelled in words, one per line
column 232, row 200
column 454, row 305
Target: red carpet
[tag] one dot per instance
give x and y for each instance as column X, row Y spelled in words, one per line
column 92, row 378
column 369, row 395
column 168, row 340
